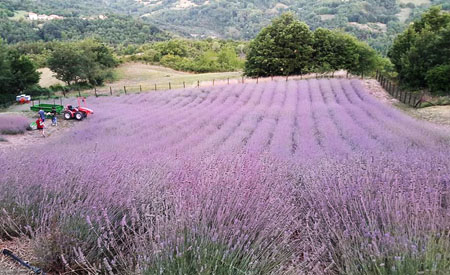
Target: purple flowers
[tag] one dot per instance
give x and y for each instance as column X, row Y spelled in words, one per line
column 13, row 125
column 302, row 176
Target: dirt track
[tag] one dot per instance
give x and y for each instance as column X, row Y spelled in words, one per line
column 21, row 248
column 34, row 137
column 436, row 114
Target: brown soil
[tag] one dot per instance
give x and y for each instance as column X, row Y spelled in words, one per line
column 436, row 114
column 21, row 248
column 34, row 137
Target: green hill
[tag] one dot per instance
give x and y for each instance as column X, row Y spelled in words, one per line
column 375, row 21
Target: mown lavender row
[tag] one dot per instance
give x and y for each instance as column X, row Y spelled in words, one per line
column 294, row 177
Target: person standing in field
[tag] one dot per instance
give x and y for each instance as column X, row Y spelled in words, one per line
column 42, row 115
column 54, row 118
column 40, row 126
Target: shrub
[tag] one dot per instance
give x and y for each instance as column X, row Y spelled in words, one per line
column 13, row 125
column 438, row 79
column 297, row 177
column 37, row 90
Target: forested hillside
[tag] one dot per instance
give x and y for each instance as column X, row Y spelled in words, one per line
column 374, row 21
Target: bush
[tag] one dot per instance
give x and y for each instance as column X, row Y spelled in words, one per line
column 6, row 99
column 438, row 79
column 37, row 90
column 59, row 88
column 13, row 125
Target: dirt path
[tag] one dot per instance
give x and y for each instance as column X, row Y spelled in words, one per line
column 436, row 114
column 20, row 247
column 30, row 138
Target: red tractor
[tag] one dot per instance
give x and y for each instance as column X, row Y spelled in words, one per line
column 80, row 112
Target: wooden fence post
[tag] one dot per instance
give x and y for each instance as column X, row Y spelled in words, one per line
column 95, row 91
column 156, row 88
column 184, row 85
column 213, row 81
column 125, row 89
column 64, row 93
column 110, row 90
column 198, row 83
column 170, row 86
column 140, row 88
column 79, row 93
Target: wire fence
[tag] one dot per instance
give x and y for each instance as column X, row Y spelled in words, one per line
column 114, row 90
column 409, row 98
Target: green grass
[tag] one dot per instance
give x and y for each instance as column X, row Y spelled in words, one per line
column 135, row 74
column 434, row 259
column 19, row 15
column 139, row 76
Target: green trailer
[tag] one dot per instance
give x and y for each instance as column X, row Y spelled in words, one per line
column 47, row 108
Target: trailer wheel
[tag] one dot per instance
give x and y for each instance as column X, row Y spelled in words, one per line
column 67, row 115
column 79, row 115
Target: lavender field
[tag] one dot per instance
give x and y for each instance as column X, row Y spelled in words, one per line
column 297, row 177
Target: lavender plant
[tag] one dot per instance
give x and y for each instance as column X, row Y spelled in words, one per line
column 298, row 177
column 13, row 125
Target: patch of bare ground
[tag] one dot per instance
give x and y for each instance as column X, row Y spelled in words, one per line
column 22, row 248
column 436, row 114
column 376, row 90
column 34, row 137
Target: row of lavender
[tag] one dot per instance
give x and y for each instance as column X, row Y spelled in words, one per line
column 299, row 177
column 296, row 119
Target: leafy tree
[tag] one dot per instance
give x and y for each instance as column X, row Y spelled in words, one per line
column 283, row 48
column 23, row 72
column 5, row 70
column 17, row 73
column 288, row 47
column 66, row 61
column 421, row 48
column 364, row 60
column 85, row 61
column 438, row 79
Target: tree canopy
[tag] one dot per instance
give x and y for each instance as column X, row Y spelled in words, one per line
column 289, row 47
column 421, row 54
column 17, row 74
column 86, row 61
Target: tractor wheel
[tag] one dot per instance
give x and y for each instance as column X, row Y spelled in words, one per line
column 67, row 115
column 79, row 115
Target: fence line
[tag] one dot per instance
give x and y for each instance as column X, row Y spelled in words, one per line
column 406, row 97
column 139, row 88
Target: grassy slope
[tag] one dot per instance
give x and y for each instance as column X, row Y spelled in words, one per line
column 133, row 75
column 48, row 79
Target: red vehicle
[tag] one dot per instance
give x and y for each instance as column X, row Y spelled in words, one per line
column 80, row 112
